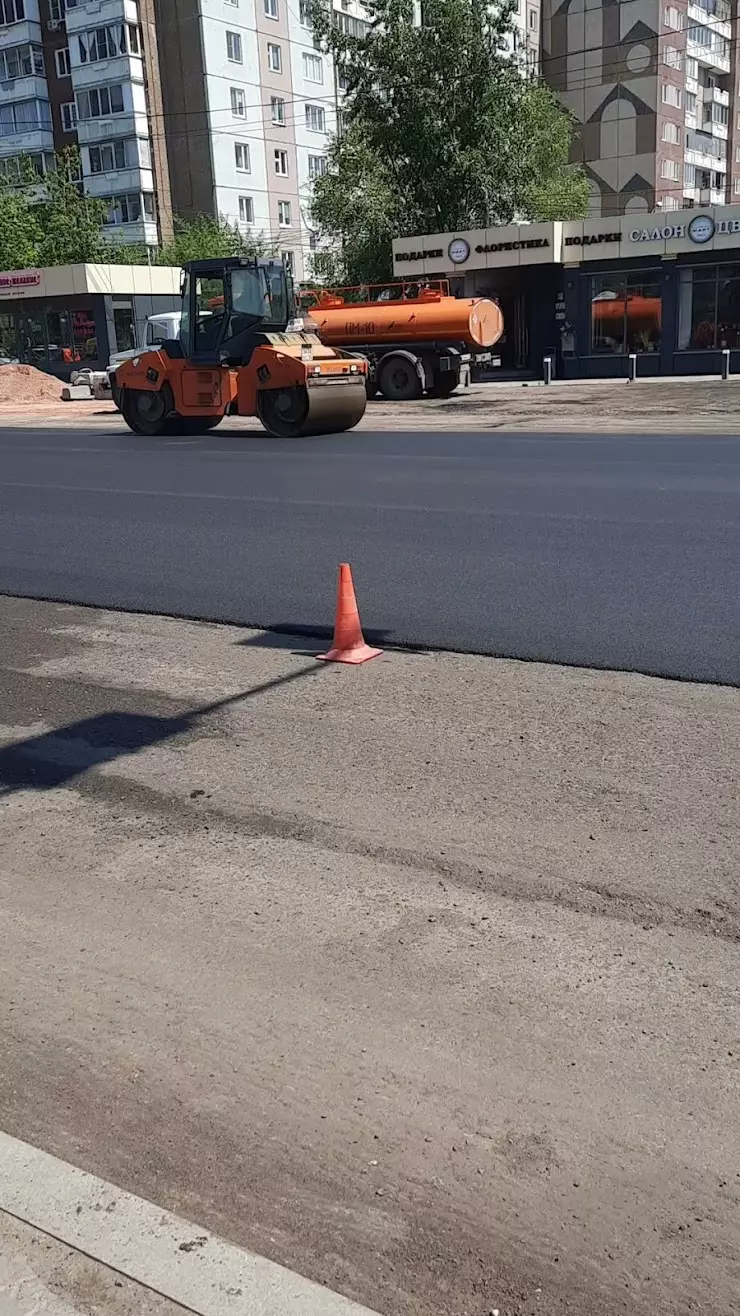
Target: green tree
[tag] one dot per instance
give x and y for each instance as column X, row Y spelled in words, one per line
column 443, row 131
column 20, row 232
column 70, row 220
column 207, row 236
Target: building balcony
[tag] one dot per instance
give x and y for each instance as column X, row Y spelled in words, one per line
column 30, row 141
column 718, row 21
column 719, row 130
column 129, row 124
column 691, row 120
column 108, row 72
column 704, row 160
column 143, row 230
column 708, row 56
column 118, row 181
column 717, row 196
column 692, row 86
column 32, row 88
column 20, row 34
column 97, row 13
column 715, row 96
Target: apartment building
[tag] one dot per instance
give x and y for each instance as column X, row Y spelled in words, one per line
column 653, row 88
column 178, row 106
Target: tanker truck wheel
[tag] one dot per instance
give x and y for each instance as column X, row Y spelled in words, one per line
column 147, row 412
column 398, row 379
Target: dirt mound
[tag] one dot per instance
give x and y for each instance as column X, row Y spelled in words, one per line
column 27, row 384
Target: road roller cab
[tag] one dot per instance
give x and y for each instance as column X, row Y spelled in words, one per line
column 236, row 354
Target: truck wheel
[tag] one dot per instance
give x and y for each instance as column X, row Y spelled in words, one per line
column 398, row 380
column 445, row 383
column 146, row 411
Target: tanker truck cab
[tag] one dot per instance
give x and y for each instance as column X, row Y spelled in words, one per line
column 235, row 355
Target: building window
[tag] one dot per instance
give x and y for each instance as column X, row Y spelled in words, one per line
column 134, row 43
column 61, row 59
column 674, row 18
column 124, row 209
column 99, row 102
column 103, row 43
column 709, row 307
column 670, row 95
column 109, row 156
column 246, row 210
column 305, row 13
column 672, row 57
column 671, row 133
column 271, row 9
column 288, row 262
column 274, row 58
column 21, row 62
column 671, row 203
column 234, row 48
column 626, row 312
column 277, row 109
column 284, row 219
column 235, row 3
column 69, row 116
column 720, row 114
column 533, row 20
column 11, row 11
column 281, row 163
column 238, row 103
column 316, row 118
column 670, row 169
column 24, row 117
column 316, row 166
column 690, row 102
column 736, row 185
column 243, row 162
column 313, row 67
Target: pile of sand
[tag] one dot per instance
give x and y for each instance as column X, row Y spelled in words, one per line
column 19, row 384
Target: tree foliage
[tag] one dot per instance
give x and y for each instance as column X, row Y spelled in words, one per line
column 207, row 236
column 20, row 231
column 443, row 131
column 70, row 220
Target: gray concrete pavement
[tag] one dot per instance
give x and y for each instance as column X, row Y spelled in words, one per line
column 610, row 551
column 420, row 978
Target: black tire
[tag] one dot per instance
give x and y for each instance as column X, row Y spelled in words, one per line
column 283, row 411
column 445, row 383
column 115, row 392
column 371, row 388
column 147, row 412
column 398, row 379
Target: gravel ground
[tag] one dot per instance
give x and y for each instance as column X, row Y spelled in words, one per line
column 420, row 978
column 662, row 406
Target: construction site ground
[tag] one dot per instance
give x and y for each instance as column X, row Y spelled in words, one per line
column 687, row 405
column 419, row 978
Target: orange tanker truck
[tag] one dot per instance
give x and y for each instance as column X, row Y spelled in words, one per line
column 416, row 337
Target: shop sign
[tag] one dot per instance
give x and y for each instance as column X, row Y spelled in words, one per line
column 524, row 244
column 590, row 239
column 700, row 229
column 434, row 254
column 20, row 279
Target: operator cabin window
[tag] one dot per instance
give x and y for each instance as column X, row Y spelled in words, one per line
column 243, row 162
column 238, row 103
column 246, row 210
column 234, row 48
column 284, row 219
column 271, row 9
column 313, row 68
column 274, row 58
column 281, row 163
column 277, row 107
column 315, row 118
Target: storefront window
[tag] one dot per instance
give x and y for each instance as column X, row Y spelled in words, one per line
column 59, row 337
column 709, row 307
column 33, row 339
column 125, row 327
column 83, row 335
column 626, row 313
column 8, row 338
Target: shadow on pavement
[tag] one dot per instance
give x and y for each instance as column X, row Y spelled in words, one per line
column 56, row 757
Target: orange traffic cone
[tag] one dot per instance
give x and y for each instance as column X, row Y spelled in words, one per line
column 349, row 642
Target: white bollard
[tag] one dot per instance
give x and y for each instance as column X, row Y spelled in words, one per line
column 632, row 376
column 725, row 363
column 547, row 369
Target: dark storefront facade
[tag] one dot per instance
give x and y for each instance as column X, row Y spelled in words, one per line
column 589, row 294
column 74, row 317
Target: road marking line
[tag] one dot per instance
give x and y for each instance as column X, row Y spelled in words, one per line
column 155, row 1248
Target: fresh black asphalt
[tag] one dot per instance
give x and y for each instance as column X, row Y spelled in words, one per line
column 602, row 550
